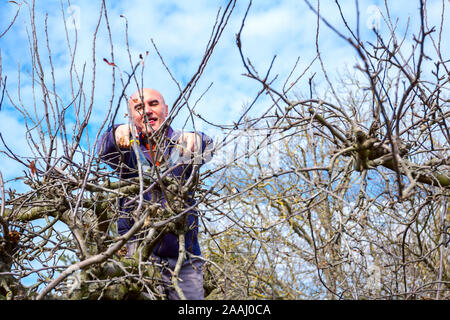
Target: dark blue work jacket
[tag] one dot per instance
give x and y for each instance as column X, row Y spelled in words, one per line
column 168, row 246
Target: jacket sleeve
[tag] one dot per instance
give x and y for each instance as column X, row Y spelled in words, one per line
column 110, row 153
column 207, row 148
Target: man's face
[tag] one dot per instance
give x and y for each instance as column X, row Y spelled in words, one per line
column 148, row 110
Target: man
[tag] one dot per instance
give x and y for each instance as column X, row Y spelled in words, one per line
column 148, row 112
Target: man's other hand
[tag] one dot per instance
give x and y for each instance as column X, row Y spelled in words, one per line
column 190, row 145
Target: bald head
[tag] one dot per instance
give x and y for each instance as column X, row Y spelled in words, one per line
column 148, row 110
column 136, row 97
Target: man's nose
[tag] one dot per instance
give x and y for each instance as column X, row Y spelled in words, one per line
column 148, row 110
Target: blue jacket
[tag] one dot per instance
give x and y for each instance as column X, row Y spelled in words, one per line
column 168, row 246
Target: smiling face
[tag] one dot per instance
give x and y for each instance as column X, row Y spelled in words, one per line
column 148, row 110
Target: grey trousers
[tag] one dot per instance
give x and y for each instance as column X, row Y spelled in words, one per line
column 190, row 276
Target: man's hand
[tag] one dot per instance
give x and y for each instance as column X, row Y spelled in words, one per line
column 190, row 145
column 122, row 135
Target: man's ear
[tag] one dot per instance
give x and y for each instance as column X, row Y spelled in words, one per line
column 167, row 110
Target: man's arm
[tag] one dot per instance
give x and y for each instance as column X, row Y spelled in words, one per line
column 117, row 136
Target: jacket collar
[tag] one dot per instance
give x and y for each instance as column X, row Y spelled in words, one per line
column 143, row 138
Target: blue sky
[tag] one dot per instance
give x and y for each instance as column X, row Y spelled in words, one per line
column 180, row 29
